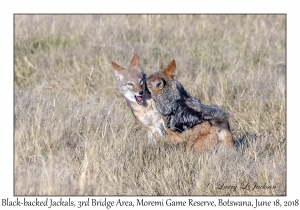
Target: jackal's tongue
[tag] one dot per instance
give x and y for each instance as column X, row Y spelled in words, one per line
column 139, row 99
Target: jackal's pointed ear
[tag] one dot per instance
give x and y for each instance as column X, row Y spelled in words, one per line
column 169, row 71
column 116, row 66
column 135, row 61
column 159, row 84
column 118, row 69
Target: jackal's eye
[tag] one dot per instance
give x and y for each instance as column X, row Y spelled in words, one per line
column 129, row 84
column 141, row 81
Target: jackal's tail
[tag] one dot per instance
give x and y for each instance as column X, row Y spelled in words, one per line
column 215, row 115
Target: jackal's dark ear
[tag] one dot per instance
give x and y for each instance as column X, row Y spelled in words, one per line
column 169, row 71
column 135, row 61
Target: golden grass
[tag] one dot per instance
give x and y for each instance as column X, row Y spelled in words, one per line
column 74, row 134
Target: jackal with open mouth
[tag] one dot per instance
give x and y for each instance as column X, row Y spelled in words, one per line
column 132, row 85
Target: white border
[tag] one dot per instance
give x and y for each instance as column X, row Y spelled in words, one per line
column 113, row 6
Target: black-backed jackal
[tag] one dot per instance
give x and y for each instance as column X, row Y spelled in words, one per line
column 199, row 125
column 132, row 85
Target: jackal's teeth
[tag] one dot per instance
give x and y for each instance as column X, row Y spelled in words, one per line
column 139, row 99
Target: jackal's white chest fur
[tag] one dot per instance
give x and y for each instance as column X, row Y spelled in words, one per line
column 150, row 117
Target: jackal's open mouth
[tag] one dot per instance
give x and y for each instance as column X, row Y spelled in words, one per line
column 139, row 99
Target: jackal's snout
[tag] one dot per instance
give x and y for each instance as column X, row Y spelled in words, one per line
column 139, row 98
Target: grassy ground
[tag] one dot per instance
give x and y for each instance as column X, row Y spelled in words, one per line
column 74, row 134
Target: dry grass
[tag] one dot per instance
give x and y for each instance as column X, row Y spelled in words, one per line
column 74, row 134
